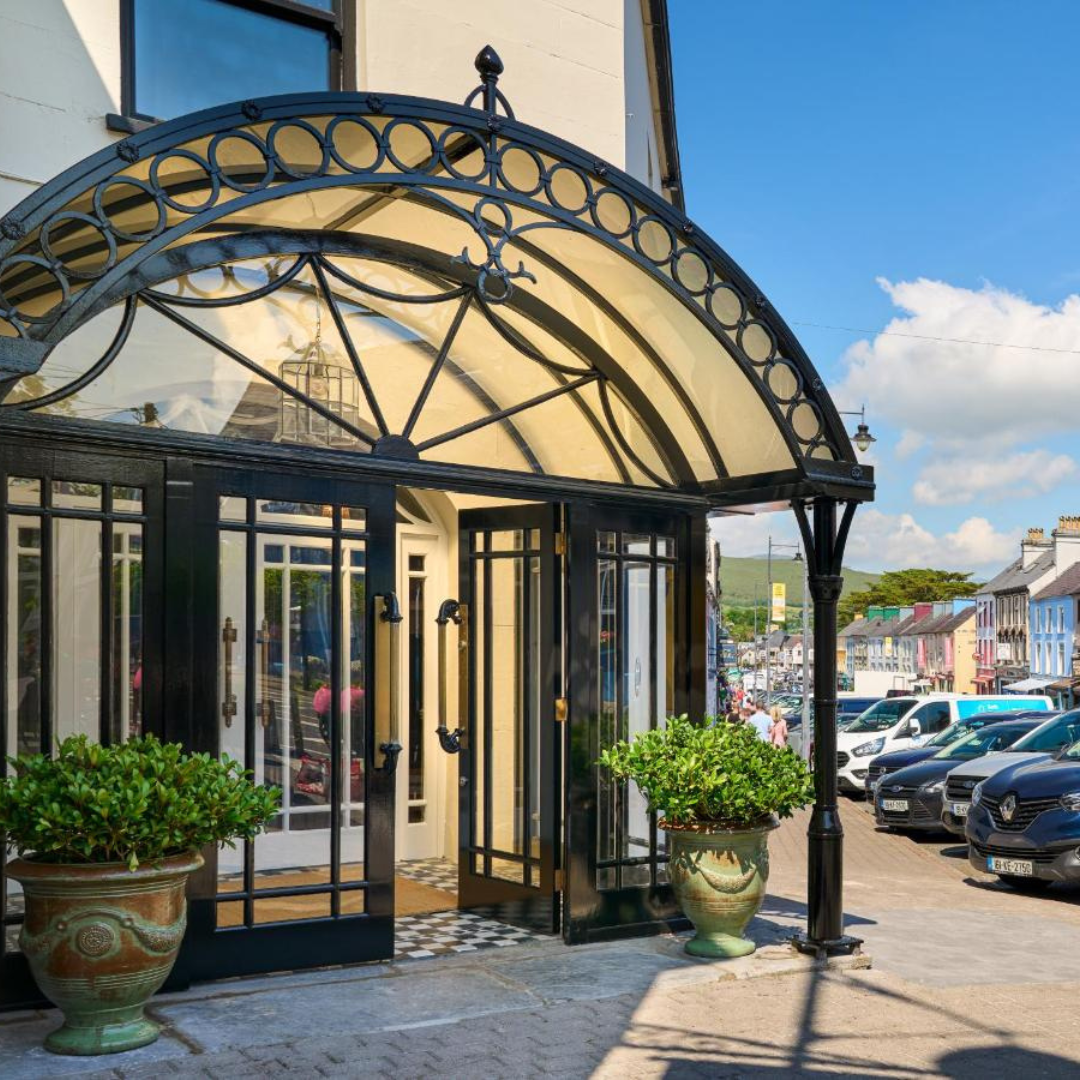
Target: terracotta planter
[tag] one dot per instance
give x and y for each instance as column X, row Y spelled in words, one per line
column 100, row 940
column 719, row 876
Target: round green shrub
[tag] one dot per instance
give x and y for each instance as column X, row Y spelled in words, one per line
column 138, row 801
column 722, row 774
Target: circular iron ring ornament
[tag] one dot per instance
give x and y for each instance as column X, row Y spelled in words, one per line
column 560, row 183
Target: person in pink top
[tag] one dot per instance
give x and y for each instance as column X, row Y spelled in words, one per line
column 778, row 732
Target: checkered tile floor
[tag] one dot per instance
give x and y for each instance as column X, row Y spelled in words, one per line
column 446, row 933
column 439, row 873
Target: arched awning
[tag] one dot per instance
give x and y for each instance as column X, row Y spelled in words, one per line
column 414, row 280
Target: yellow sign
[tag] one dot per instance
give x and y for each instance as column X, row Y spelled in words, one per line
column 779, row 602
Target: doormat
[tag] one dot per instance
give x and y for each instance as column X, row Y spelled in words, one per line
column 418, row 898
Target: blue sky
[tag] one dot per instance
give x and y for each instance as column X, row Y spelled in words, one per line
column 912, row 166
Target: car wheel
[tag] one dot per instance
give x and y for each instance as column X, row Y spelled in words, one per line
column 1025, row 884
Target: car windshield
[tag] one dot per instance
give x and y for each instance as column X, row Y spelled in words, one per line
column 949, row 735
column 1051, row 736
column 982, row 741
column 882, row 716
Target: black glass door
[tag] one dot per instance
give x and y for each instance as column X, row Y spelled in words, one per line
column 292, row 585
column 81, row 634
column 509, row 787
column 636, row 656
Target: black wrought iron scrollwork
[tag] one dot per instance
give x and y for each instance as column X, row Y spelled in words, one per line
column 449, row 612
column 68, row 253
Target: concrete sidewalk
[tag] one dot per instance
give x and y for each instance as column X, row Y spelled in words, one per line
column 969, row 980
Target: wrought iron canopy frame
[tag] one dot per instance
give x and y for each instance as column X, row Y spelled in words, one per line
column 65, row 253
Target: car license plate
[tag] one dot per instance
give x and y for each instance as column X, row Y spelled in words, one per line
column 894, row 804
column 960, row 809
column 1019, row 867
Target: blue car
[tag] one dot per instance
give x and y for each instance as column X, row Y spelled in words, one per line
column 884, row 764
column 1024, row 823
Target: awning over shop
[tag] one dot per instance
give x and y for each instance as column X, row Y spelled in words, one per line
column 412, row 280
column 1026, row 686
column 1063, row 686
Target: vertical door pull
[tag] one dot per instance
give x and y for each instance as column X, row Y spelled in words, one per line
column 264, row 710
column 228, row 640
column 450, row 611
column 387, row 685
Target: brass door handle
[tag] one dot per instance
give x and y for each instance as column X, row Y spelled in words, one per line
column 264, row 709
column 450, row 611
column 228, row 703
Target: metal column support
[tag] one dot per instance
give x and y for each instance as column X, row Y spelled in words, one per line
column 824, row 546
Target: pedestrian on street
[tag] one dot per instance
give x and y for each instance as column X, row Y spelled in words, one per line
column 778, row 731
column 761, row 721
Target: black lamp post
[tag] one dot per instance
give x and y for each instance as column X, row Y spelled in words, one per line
column 824, row 542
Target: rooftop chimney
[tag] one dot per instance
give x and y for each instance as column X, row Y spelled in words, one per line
column 1033, row 545
column 1066, row 543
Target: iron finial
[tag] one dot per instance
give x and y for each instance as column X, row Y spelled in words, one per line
column 490, row 66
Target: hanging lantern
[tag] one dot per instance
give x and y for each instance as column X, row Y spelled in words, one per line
column 320, row 379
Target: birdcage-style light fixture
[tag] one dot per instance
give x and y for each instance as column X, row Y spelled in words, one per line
column 319, row 378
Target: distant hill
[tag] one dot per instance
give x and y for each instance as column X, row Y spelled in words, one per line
column 739, row 578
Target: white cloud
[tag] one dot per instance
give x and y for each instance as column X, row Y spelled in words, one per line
column 880, row 541
column 952, row 392
column 959, row 480
column 911, row 442
column 743, row 535
column 896, row 541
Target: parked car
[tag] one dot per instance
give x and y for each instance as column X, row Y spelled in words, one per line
column 911, row 798
column 848, row 708
column 1024, row 824
column 1050, row 737
column 884, row 764
column 901, row 722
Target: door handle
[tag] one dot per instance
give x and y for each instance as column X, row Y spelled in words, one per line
column 228, row 703
column 264, row 709
column 387, row 674
column 450, row 611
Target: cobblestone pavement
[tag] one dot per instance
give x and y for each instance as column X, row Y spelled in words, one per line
column 968, row 980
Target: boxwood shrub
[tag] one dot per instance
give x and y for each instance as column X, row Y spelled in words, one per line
column 135, row 802
column 711, row 774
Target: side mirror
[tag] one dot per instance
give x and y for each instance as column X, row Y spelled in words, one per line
column 914, row 729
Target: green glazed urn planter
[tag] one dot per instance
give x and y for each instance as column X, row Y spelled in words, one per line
column 719, row 876
column 101, row 940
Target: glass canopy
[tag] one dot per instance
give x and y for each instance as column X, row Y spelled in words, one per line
column 410, row 280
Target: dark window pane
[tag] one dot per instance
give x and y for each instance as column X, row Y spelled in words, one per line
column 191, row 54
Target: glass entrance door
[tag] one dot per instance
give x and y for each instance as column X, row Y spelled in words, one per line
column 303, row 644
column 636, row 644
column 509, row 793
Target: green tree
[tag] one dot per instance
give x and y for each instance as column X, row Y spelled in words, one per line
column 902, row 588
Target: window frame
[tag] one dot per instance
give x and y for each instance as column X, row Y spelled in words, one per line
column 295, row 12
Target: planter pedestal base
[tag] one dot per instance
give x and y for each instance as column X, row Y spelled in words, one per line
column 719, row 946
column 128, row 1031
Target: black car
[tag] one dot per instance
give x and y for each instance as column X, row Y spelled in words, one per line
column 1048, row 739
column 911, row 798
column 884, row 764
column 1024, row 823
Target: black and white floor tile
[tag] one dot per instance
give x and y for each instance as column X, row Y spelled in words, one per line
column 439, row 873
column 449, row 933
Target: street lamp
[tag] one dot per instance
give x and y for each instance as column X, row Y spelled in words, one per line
column 861, row 437
column 797, row 557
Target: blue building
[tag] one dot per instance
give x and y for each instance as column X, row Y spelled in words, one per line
column 1053, row 621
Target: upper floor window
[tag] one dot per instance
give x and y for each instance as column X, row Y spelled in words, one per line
column 185, row 55
column 1061, row 618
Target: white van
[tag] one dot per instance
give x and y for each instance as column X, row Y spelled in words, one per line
column 898, row 723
